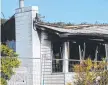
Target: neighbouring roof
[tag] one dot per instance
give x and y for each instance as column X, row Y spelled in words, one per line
column 8, row 29
column 2, row 21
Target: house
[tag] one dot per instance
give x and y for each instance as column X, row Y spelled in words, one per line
column 48, row 53
column 61, row 48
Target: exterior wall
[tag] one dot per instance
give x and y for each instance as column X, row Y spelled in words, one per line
column 48, row 77
column 45, row 55
column 28, row 48
column 69, row 77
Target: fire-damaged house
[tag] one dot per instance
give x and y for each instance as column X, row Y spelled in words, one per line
column 81, row 41
column 49, row 52
column 67, row 46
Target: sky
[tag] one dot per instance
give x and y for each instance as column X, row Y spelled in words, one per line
column 74, row 11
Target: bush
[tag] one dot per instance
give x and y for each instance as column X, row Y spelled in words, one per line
column 9, row 61
column 3, row 81
column 91, row 73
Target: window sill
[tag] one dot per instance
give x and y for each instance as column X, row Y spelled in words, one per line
column 53, row 73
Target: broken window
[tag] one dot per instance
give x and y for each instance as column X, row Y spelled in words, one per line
column 83, row 50
column 95, row 51
column 57, row 62
column 91, row 48
column 101, row 52
column 73, row 54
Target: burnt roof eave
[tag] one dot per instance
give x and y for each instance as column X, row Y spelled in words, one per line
column 48, row 28
column 93, row 37
column 68, row 34
column 85, row 34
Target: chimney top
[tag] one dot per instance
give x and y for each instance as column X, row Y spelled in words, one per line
column 21, row 3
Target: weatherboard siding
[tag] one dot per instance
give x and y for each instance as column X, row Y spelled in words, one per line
column 48, row 77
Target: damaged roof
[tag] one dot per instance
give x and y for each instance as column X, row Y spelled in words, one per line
column 89, row 30
column 103, row 29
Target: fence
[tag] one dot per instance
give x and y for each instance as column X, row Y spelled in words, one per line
column 57, row 64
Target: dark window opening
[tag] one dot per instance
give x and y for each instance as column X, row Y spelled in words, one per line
column 89, row 49
column 74, row 51
column 57, row 50
column 95, row 51
column 101, row 52
column 57, row 62
column 73, row 54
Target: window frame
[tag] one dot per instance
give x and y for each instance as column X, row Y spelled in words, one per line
column 54, row 58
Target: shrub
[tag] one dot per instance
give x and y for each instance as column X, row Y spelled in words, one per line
column 91, row 73
column 3, row 81
column 9, row 61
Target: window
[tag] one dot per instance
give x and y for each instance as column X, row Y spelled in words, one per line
column 101, row 52
column 74, row 50
column 89, row 49
column 95, row 51
column 57, row 61
column 73, row 54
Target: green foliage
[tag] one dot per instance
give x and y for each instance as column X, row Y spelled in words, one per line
column 3, row 81
column 90, row 72
column 9, row 61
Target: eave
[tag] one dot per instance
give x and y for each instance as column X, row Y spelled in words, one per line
column 94, row 32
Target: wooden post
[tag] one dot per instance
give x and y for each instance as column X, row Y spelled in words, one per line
column 96, row 52
column 84, row 50
column 66, row 57
column 106, row 51
column 80, row 53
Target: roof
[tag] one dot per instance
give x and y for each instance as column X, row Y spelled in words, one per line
column 8, row 30
column 87, row 30
column 81, row 29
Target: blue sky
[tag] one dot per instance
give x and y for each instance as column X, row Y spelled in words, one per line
column 74, row 11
